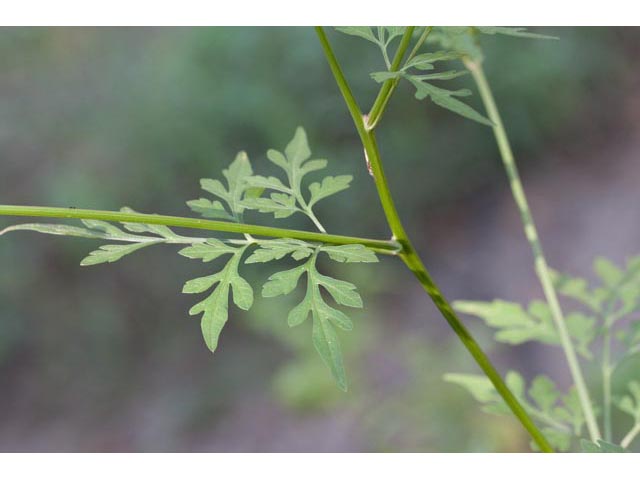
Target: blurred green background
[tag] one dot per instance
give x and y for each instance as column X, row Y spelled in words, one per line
column 107, row 359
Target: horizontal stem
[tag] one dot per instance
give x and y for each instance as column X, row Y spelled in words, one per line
column 388, row 247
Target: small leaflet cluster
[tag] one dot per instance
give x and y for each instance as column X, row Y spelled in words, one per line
column 419, row 69
column 608, row 309
column 242, row 191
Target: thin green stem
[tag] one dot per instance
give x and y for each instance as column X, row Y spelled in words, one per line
column 389, row 247
column 389, row 85
column 606, row 382
column 541, row 268
column 411, row 258
column 628, row 438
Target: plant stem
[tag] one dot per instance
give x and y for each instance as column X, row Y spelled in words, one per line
column 388, row 247
column 628, row 438
column 389, row 85
column 606, row 382
column 411, row 258
column 541, row 268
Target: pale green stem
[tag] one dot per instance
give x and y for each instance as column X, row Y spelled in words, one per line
column 629, row 437
column 541, row 268
column 389, row 247
column 606, row 382
column 412, row 259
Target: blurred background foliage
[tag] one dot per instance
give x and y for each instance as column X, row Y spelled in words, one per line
column 106, row 358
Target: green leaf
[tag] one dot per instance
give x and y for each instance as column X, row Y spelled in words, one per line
column 324, row 316
column 112, row 253
column 276, row 249
column 630, row 403
column 209, row 209
column 446, row 99
column 582, row 329
column 425, row 61
column 382, row 77
column 288, row 197
column 513, row 32
column 479, row 386
column 282, row 283
column 609, row 273
column 215, row 308
column 514, row 324
column 559, row 440
column 207, row 251
column 601, row 447
column 350, row 253
column 362, row 32
column 571, row 411
column 328, row 187
column 56, row 229
column 237, row 190
column 575, row 288
column 281, row 205
column 159, row 230
column 544, row 393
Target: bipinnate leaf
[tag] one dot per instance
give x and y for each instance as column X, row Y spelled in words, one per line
column 287, row 197
column 324, row 317
column 560, row 415
column 515, row 325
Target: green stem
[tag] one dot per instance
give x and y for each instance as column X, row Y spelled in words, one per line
column 389, row 85
column 411, row 258
column 541, row 268
column 389, row 247
column 628, row 438
column 606, row 383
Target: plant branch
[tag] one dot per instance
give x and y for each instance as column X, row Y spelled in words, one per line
column 628, row 438
column 411, row 258
column 388, row 247
column 541, row 268
column 387, row 88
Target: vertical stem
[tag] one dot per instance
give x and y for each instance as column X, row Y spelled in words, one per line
column 541, row 268
column 411, row 258
column 606, row 382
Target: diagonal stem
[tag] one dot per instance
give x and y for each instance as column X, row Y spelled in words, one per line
column 389, row 247
column 541, row 268
column 413, row 261
column 389, row 85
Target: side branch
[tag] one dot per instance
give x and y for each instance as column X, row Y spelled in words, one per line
column 388, row 247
